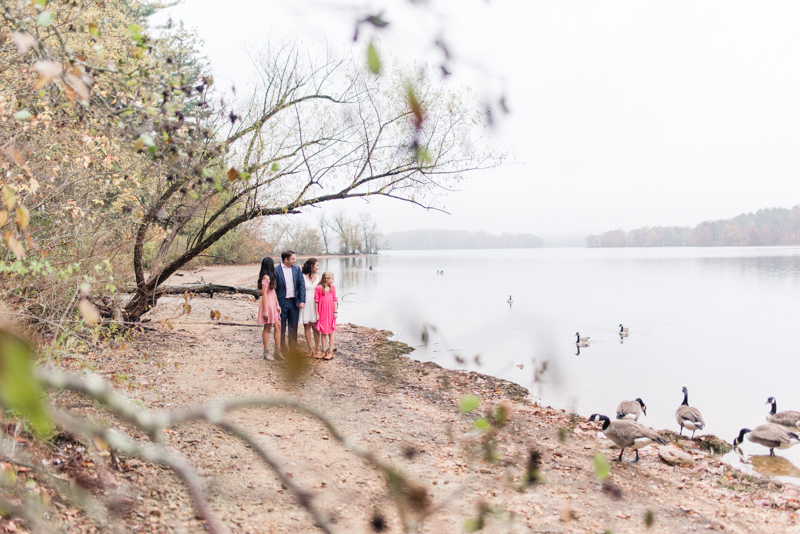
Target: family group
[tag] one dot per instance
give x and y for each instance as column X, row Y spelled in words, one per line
column 291, row 296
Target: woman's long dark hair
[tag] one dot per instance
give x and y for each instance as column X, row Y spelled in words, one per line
column 308, row 266
column 267, row 268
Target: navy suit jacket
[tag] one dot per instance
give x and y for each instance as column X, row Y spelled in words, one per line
column 299, row 286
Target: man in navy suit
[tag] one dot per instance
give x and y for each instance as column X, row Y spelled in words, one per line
column 291, row 293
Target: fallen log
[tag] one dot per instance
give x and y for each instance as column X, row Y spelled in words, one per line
column 208, row 289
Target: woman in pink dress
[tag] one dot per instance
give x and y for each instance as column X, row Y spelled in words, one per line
column 327, row 306
column 269, row 313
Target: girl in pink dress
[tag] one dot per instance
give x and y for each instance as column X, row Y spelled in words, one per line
column 327, row 306
column 269, row 313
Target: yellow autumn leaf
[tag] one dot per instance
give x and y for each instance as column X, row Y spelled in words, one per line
column 233, row 174
column 9, row 198
column 23, row 216
column 3, row 217
column 88, row 312
column 14, row 245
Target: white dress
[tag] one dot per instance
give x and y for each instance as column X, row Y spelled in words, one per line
column 309, row 313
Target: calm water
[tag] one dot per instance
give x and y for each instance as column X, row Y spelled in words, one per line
column 720, row 321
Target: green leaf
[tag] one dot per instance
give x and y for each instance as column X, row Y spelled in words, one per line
column 134, row 31
column 275, row 167
column 470, row 525
column 208, row 173
column 147, row 140
column 373, row 59
column 44, row 19
column 94, row 31
column 19, row 389
column 39, row 4
column 22, row 115
column 481, row 423
column 468, row 403
column 601, row 469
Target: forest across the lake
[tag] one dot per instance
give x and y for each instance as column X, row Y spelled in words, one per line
column 765, row 227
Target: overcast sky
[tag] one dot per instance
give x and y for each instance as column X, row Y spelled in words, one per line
column 624, row 114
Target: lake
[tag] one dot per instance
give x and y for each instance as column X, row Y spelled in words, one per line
column 720, row 321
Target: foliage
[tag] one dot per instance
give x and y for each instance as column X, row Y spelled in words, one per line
column 116, row 148
column 766, row 227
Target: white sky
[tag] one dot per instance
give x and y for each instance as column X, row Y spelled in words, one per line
column 624, row 113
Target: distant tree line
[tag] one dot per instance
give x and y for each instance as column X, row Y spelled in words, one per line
column 457, row 239
column 338, row 233
column 771, row 226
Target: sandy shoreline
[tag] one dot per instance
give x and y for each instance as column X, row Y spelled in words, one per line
column 407, row 414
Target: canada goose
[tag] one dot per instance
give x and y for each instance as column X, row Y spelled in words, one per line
column 770, row 435
column 628, row 434
column 581, row 341
column 370, row 267
column 510, row 300
column 631, row 409
column 623, row 331
column 788, row 418
column 689, row 416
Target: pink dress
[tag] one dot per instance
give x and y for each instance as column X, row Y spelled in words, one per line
column 326, row 299
column 268, row 310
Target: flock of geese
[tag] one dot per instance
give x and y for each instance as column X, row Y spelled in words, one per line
column 782, row 430
column 628, row 433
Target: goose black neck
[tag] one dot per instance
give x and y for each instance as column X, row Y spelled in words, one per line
column 774, row 407
column 740, row 438
column 686, row 399
column 606, row 421
column 620, row 328
column 641, row 403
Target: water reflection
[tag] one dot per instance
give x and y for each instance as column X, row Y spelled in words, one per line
column 710, row 319
column 775, row 467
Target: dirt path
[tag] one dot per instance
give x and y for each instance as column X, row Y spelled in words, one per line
column 407, row 414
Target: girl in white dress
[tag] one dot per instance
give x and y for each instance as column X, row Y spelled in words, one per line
column 308, row 315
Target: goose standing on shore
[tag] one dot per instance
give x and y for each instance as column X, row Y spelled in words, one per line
column 770, row 435
column 631, row 409
column 688, row 416
column 628, row 434
column 788, row 418
column 581, row 341
column 623, row 331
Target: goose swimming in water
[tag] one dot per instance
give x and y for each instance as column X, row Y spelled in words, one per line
column 770, row 435
column 788, row 418
column 628, row 434
column 510, row 301
column 623, row 331
column 581, row 341
column 689, row 416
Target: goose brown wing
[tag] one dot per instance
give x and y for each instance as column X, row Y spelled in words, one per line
column 787, row 418
column 649, row 433
column 691, row 413
column 627, row 407
column 772, row 432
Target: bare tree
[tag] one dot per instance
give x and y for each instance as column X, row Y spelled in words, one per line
column 311, row 134
column 323, row 225
column 302, row 238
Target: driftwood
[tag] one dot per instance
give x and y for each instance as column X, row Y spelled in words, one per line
column 209, row 289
